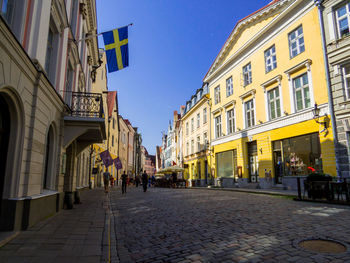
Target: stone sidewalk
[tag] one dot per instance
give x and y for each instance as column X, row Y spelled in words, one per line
column 83, row 234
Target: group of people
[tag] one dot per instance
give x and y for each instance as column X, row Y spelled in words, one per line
column 125, row 181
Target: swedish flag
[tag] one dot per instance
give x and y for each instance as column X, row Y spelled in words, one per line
column 116, row 46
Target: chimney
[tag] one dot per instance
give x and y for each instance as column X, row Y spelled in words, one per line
column 176, row 117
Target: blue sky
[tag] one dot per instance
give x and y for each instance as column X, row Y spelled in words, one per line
column 171, row 47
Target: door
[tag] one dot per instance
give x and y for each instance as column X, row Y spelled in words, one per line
column 206, row 172
column 253, row 162
column 4, row 139
column 277, row 156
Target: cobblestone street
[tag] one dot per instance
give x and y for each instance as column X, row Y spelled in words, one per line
column 183, row 225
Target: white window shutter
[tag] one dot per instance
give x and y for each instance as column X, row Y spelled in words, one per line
column 331, row 27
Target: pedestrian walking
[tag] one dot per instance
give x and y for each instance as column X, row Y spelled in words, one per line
column 106, row 176
column 144, row 181
column 137, row 180
column 124, row 182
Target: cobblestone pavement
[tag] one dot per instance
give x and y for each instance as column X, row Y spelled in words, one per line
column 184, row 225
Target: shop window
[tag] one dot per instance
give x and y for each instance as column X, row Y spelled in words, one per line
column 299, row 153
column 226, row 163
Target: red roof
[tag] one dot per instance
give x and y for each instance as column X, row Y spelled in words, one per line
column 239, row 21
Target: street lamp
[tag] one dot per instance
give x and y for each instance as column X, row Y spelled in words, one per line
column 316, row 113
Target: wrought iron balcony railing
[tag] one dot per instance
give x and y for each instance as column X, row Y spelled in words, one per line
column 83, row 104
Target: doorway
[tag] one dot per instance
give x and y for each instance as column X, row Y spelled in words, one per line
column 253, row 162
column 5, row 126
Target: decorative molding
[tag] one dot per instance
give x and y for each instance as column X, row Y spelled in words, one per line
column 277, row 79
column 298, row 117
column 217, row 111
column 306, row 63
column 247, row 94
column 231, row 103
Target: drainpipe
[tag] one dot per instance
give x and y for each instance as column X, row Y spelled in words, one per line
column 318, row 3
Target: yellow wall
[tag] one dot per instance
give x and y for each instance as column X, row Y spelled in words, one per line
column 313, row 52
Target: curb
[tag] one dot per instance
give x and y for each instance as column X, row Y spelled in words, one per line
column 251, row 191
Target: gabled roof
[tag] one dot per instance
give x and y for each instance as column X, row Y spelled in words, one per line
column 235, row 31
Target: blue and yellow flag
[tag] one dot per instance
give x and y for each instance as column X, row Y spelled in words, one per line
column 116, row 46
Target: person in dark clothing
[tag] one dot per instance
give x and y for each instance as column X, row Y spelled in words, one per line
column 144, row 181
column 174, row 175
column 137, row 180
column 124, row 182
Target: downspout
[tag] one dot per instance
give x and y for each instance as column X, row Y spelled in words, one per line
column 318, row 3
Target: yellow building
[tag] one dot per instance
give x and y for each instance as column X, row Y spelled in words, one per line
column 264, row 84
column 195, row 141
column 112, row 127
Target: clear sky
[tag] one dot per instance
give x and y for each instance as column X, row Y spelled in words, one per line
column 171, row 47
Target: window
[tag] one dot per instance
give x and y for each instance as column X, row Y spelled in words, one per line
column 186, row 128
column 229, row 87
column 218, row 126
column 113, row 123
column 346, row 76
column 296, row 42
column 205, row 140
column 249, row 114
column 301, row 92
column 247, row 74
column 13, row 11
column 230, row 121
column 192, row 125
column 204, row 115
column 69, row 85
column 198, row 120
column 217, row 94
column 273, row 100
column 112, row 140
column 74, row 16
column 187, row 149
column 192, row 146
column 198, row 143
column 342, row 16
column 51, row 52
column 270, row 59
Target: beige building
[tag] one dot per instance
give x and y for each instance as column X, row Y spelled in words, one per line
column 196, row 135
column 123, row 144
column 45, row 83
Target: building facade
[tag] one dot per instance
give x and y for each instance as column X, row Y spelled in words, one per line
column 46, row 75
column 336, row 28
column 195, row 138
column 263, row 86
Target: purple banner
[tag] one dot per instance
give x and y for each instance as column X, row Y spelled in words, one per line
column 117, row 163
column 106, row 158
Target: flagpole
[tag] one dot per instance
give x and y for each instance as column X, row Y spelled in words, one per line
column 95, row 35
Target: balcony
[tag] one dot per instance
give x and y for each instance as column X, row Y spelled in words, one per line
column 84, row 122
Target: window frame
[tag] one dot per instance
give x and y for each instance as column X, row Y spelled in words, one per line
column 230, row 120
column 344, row 77
column 247, row 70
column 302, row 89
column 198, row 120
column 198, row 143
column 275, row 99
column 347, row 16
column 296, row 40
column 249, row 112
column 229, row 87
column 271, row 56
column 217, row 97
column 192, row 125
column 218, row 127
column 205, row 115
